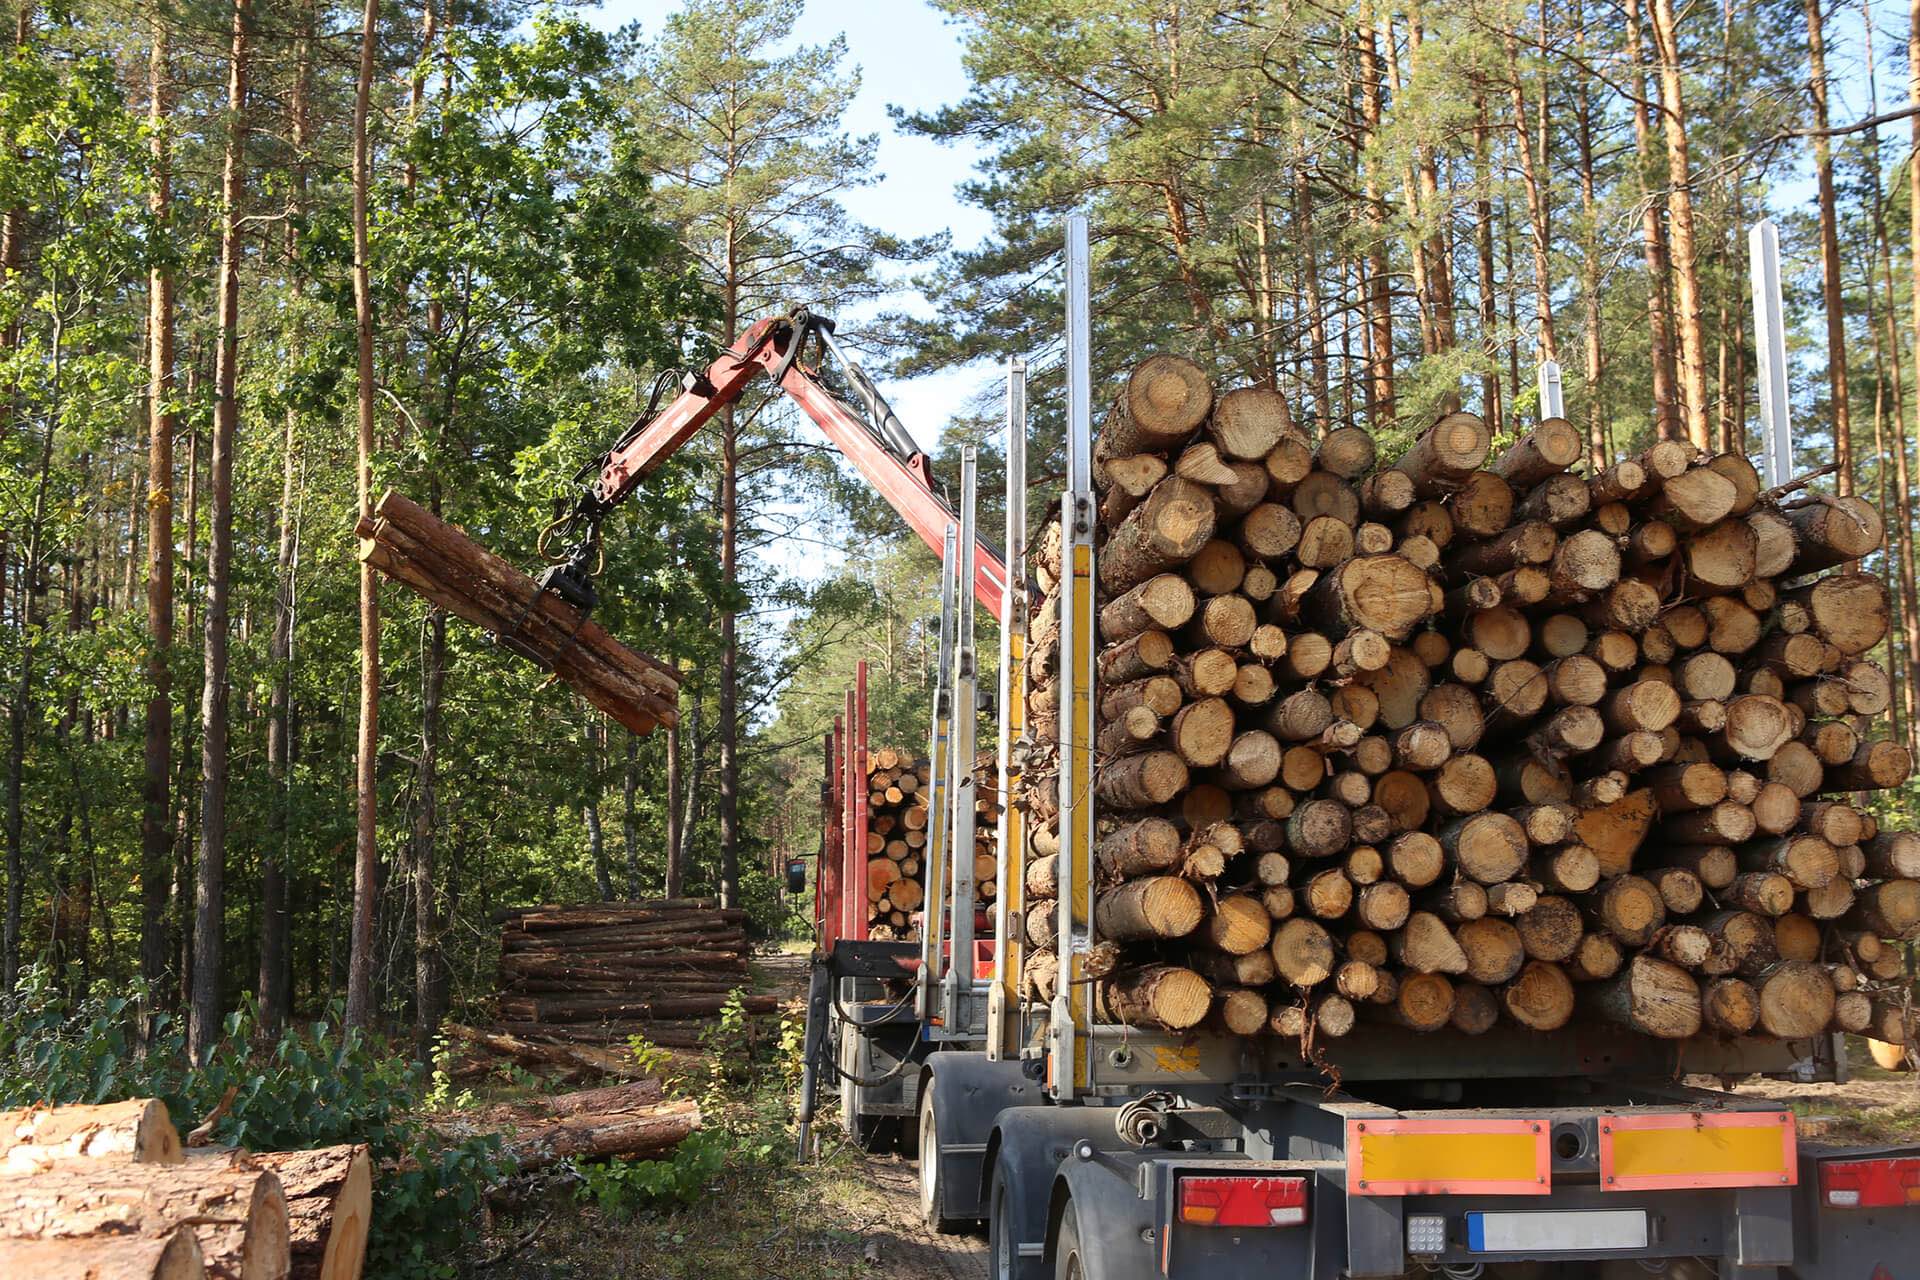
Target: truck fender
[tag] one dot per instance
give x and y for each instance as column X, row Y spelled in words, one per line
column 1117, row 1233
column 967, row 1092
column 1026, row 1147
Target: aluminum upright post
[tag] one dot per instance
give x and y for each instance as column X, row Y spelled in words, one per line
column 934, row 869
column 1552, row 403
column 963, row 722
column 1070, row 1020
column 1770, row 342
column 1009, row 902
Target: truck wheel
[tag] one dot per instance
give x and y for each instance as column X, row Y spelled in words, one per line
column 1001, row 1247
column 1068, row 1263
column 929, row 1142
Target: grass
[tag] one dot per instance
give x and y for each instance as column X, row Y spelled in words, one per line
column 763, row 1215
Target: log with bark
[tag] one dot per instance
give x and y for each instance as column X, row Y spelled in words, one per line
column 539, row 1133
column 438, row 560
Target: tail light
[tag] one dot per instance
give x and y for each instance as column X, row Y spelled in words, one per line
column 1242, row 1201
column 1870, row 1184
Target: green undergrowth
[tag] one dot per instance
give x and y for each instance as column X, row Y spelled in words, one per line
column 313, row 1085
column 731, row 1204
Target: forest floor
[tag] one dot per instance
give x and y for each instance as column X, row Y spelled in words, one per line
column 1875, row 1106
column 764, row 1217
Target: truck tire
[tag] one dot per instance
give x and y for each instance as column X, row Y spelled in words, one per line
column 928, row 1138
column 1003, row 1262
column 1068, row 1262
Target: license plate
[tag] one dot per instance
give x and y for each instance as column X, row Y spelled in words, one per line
column 1557, row 1231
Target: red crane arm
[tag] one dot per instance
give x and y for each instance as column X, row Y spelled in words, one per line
column 902, row 478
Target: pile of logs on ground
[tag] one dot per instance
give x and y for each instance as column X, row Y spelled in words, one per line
column 606, row 971
column 438, row 560
column 1468, row 736
column 897, row 828
column 107, row 1192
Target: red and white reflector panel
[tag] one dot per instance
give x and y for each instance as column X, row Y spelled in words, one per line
column 1870, row 1184
column 1241, row 1201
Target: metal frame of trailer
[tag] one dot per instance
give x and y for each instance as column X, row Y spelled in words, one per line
column 1108, row 1153
column 875, row 1035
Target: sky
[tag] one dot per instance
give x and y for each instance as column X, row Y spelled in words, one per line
column 908, row 57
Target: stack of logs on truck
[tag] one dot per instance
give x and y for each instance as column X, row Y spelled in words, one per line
column 1466, row 736
column 603, row 972
column 898, row 830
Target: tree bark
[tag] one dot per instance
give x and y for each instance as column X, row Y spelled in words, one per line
column 1686, row 277
column 275, row 981
column 1653, row 237
column 1536, row 205
column 366, row 850
column 1379, row 279
column 629, row 813
column 209, row 922
column 729, row 636
column 1830, row 283
column 157, row 756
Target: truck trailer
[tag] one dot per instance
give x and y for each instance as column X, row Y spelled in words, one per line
column 1096, row 1150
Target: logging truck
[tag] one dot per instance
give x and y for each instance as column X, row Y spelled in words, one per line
column 1385, row 854
column 1114, row 1090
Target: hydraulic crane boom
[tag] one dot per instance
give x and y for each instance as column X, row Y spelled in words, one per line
column 879, row 447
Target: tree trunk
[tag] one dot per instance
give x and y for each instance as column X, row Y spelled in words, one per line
column 428, row 964
column 1910, row 604
column 1830, row 283
column 1435, row 211
column 1536, row 205
column 209, row 923
column 629, row 814
column 1490, row 404
column 729, row 635
column 157, row 757
column 679, row 856
column 1686, row 277
column 1379, row 278
column 596, row 834
column 1590, row 260
column 366, row 850
column 1310, row 275
column 276, row 978
column 1653, row 235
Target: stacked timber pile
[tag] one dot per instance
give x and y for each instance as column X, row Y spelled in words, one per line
column 1465, row 738
column 605, row 971
column 897, row 822
column 107, row 1191
column 897, row 826
column 421, row 551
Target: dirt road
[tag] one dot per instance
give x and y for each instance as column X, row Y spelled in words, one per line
column 898, row 1247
